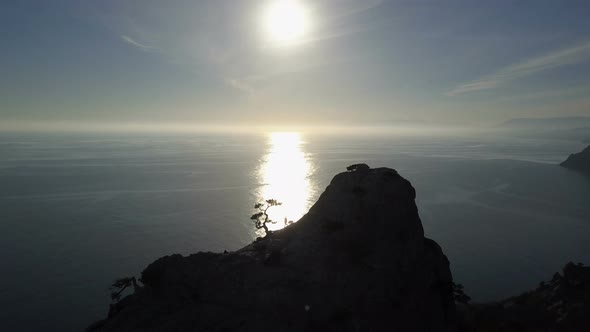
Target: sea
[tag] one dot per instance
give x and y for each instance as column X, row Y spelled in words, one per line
column 78, row 210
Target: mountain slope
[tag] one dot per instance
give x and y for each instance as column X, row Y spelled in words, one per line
column 358, row 261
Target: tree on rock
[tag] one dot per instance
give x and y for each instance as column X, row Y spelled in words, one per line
column 261, row 218
column 459, row 294
column 120, row 285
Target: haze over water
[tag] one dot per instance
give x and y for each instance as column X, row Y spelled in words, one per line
column 148, row 103
column 79, row 210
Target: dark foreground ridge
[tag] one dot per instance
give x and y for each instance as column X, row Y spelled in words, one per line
column 358, row 261
column 561, row 304
column 579, row 161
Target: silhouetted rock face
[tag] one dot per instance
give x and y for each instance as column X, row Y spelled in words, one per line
column 358, row 261
column 557, row 305
column 579, row 161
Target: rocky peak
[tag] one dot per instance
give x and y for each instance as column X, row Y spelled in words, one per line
column 357, row 261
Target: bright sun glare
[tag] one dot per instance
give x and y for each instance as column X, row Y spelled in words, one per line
column 286, row 21
column 284, row 173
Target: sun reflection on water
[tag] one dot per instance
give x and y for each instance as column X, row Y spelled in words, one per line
column 284, row 175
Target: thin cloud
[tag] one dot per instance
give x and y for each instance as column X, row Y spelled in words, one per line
column 249, row 83
column 135, row 43
column 240, row 85
column 356, row 7
column 529, row 67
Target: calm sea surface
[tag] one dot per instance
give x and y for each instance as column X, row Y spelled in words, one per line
column 77, row 211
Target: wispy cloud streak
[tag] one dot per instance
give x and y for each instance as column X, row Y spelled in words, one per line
column 529, row 67
column 135, row 43
column 240, row 85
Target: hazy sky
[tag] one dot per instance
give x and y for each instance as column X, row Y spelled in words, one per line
column 359, row 62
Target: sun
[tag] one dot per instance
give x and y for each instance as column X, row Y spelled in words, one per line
column 286, row 21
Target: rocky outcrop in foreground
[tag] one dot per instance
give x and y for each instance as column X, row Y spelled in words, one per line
column 561, row 304
column 358, row 261
column 579, row 161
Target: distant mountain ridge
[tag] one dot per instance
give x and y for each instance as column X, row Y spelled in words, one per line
column 548, row 123
column 575, row 128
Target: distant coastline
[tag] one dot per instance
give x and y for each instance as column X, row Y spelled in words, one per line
column 579, row 161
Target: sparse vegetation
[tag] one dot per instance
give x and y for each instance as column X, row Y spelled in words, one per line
column 459, row 294
column 120, row 285
column 261, row 218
